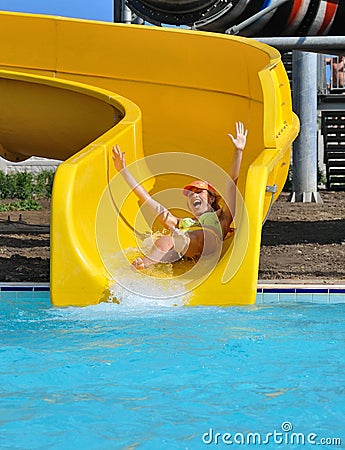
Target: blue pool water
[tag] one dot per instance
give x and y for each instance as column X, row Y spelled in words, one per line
column 153, row 377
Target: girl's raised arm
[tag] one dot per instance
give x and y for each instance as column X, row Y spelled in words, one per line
column 165, row 217
column 230, row 193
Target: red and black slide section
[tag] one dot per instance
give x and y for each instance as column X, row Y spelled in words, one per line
column 293, row 18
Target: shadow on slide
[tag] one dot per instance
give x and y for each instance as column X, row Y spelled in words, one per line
column 72, row 89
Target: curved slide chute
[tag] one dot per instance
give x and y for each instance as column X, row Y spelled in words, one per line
column 71, row 89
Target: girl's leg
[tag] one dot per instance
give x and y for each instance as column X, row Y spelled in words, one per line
column 196, row 244
column 163, row 251
column 202, row 242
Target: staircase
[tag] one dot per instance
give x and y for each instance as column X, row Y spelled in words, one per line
column 333, row 130
column 331, row 104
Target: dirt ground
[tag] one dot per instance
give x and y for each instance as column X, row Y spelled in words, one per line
column 299, row 242
column 305, row 241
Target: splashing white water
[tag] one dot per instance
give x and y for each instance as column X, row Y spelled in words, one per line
column 133, row 287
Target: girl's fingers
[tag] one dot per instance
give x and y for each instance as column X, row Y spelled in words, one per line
column 240, row 129
column 231, row 137
column 117, row 152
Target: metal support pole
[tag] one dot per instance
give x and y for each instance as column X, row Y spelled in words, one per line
column 334, row 45
column 127, row 15
column 237, row 28
column 304, row 82
column 118, row 10
column 122, row 14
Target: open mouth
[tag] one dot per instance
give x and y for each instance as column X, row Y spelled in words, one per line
column 197, row 202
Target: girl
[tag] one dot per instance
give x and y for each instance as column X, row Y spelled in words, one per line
column 203, row 233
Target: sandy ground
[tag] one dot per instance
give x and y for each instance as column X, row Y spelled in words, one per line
column 299, row 242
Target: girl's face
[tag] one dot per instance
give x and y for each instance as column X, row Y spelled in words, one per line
column 199, row 201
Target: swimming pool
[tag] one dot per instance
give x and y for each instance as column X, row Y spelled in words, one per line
column 150, row 377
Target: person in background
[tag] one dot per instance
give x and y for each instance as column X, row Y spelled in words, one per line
column 337, row 71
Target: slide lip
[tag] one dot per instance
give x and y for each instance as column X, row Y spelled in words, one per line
column 124, row 105
column 271, row 51
column 130, row 113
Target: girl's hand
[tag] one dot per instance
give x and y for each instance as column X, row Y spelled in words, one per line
column 241, row 136
column 119, row 158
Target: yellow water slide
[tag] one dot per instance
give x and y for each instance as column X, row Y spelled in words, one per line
column 71, row 89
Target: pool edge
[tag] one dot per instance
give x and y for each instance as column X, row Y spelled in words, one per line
column 267, row 292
